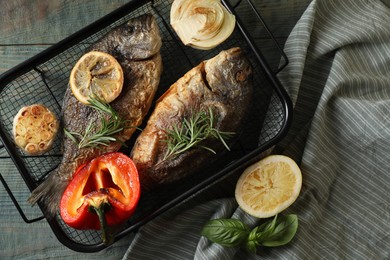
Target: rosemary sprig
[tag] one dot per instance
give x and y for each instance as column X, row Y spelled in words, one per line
column 191, row 132
column 105, row 134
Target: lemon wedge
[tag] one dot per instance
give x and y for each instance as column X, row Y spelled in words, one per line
column 96, row 74
column 269, row 186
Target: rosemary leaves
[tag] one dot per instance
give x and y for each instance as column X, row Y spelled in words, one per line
column 192, row 132
column 105, row 134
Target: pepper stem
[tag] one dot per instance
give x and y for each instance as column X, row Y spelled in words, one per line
column 100, row 210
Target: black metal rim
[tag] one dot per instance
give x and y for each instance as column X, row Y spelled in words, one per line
column 89, row 30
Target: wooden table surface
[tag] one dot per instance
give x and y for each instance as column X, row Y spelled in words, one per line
column 27, row 27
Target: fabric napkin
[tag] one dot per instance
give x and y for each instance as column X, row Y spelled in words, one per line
column 339, row 81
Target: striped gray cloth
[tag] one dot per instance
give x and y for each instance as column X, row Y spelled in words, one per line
column 339, row 80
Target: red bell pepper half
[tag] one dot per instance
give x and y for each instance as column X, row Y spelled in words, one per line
column 102, row 193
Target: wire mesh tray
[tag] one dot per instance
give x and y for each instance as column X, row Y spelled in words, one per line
column 43, row 79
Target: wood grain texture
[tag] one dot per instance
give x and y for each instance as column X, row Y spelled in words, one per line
column 47, row 22
column 28, row 27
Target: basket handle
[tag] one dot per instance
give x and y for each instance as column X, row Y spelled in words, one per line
column 260, row 18
column 17, row 204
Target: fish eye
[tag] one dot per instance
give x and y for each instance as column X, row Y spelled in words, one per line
column 128, row 30
column 241, row 75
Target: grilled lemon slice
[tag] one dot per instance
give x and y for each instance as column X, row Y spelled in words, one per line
column 98, row 75
column 269, row 186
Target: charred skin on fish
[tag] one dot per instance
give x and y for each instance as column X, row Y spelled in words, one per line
column 222, row 84
column 136, row 45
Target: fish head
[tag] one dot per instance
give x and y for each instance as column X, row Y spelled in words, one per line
column 138, row 39
column 228, row 73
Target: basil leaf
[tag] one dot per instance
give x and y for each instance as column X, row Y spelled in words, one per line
column 226, row 232
column 252, row 243
column 266, row 229
column 284, row 231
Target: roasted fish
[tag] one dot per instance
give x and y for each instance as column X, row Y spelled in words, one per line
column 136, row 45
column 221, row 86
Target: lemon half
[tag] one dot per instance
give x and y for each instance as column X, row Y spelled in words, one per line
column 96, row 74
column 269, row 186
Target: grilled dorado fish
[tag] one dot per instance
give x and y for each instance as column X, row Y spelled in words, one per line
column 136, row 45
column 221, row 84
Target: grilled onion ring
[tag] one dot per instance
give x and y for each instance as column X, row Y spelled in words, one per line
column 201, row 24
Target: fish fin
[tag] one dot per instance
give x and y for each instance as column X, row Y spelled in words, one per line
column 49, row 194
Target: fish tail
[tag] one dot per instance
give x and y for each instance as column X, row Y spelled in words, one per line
column 49, row 194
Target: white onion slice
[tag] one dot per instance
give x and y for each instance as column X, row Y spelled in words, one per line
column 202, row 24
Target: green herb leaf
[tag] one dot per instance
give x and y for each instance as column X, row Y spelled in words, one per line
column 265, row 229
column 232, row 232
column 104, row 135
column 284, row 230
column 71, row 135
column 252, row 243
column 226, row 232
column 192, row 132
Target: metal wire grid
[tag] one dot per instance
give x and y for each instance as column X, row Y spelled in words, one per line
column 47, row 82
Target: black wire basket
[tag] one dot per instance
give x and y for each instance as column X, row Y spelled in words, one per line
column 43, row 79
